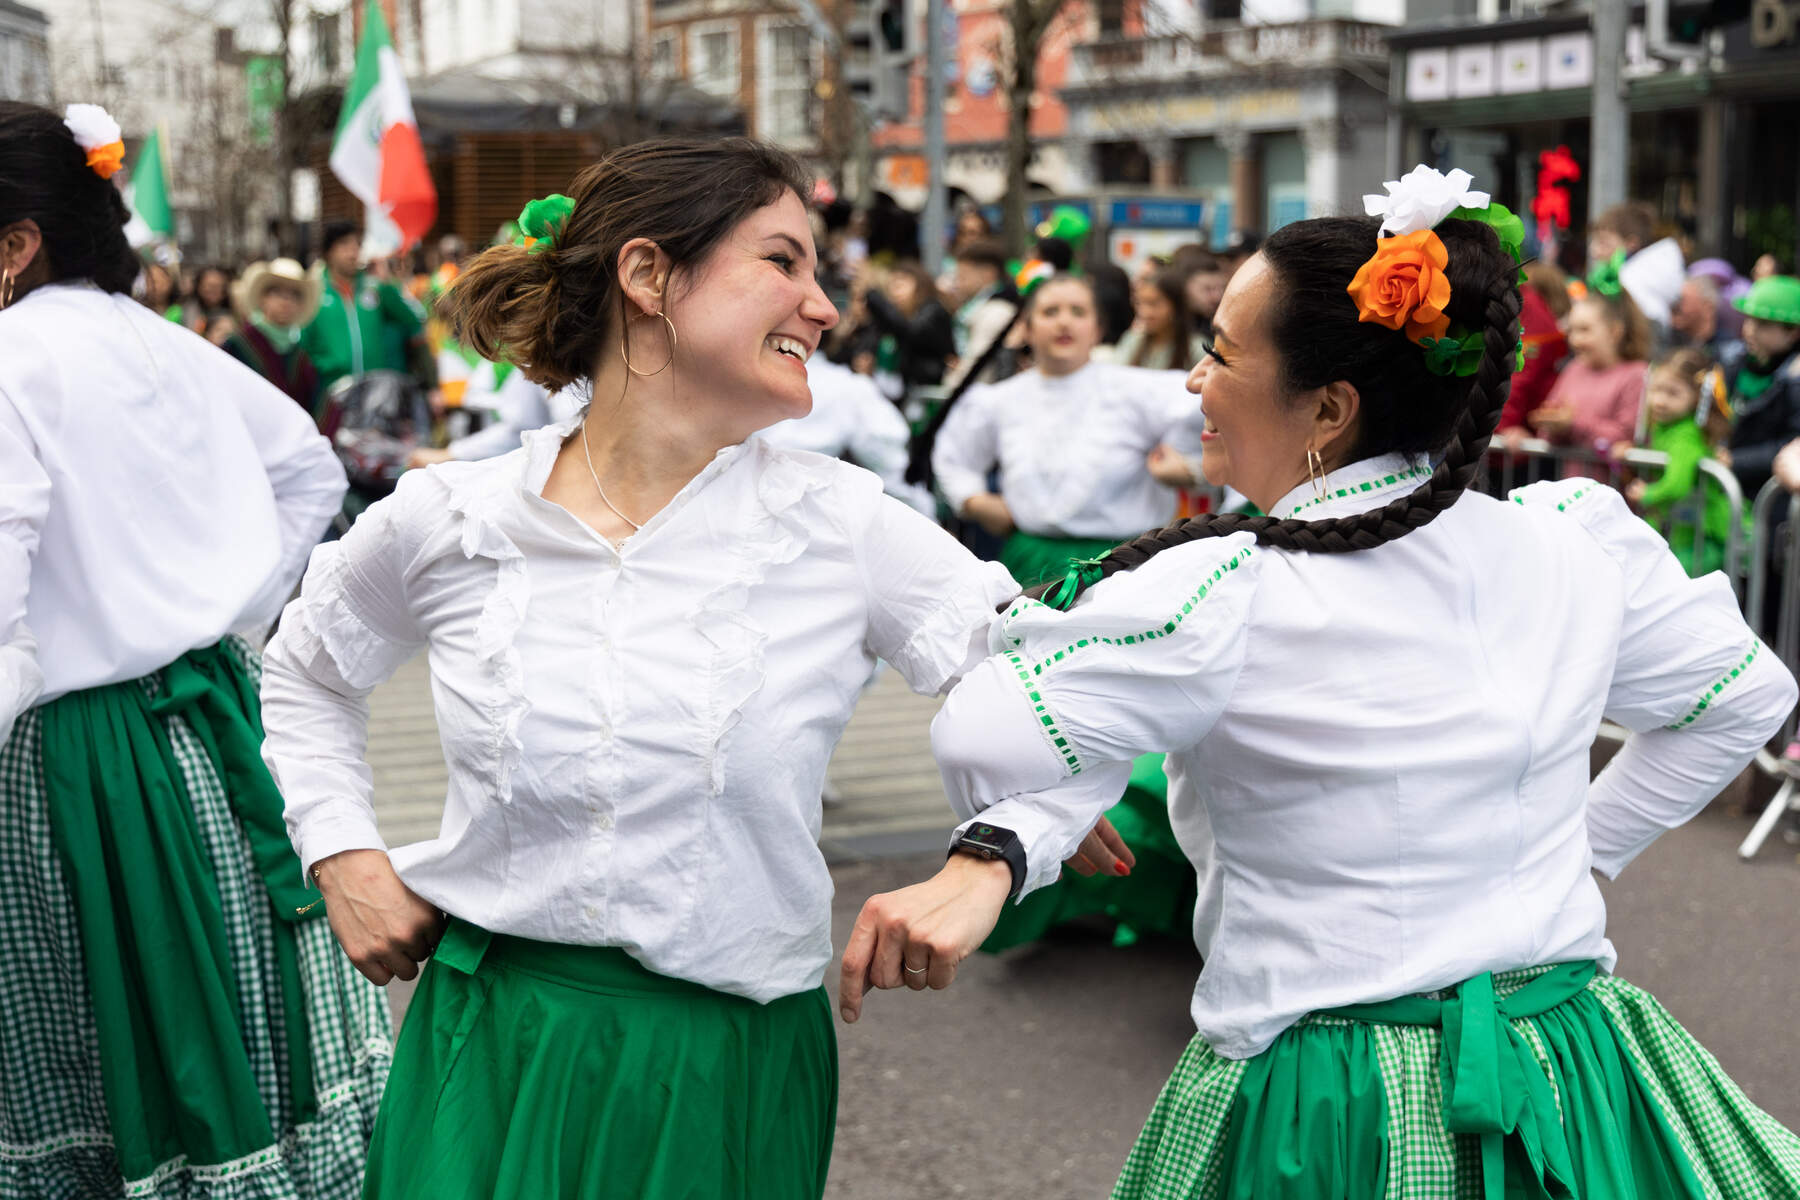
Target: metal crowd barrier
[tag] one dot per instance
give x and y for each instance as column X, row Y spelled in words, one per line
column 1775, row 555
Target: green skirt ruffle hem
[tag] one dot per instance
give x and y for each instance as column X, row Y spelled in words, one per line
column 532, row 1071
column 1542, row 1084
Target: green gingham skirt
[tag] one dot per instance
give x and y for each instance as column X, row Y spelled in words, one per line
column 1734, row 1149
column 55, row 1140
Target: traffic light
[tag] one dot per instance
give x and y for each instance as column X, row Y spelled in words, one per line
column 893, row 46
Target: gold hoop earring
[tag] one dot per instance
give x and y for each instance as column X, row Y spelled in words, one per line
column 1315, row 471
column 6, row 288
column 625, row 348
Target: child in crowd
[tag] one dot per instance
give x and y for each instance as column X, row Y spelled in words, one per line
column 1546, row 303
column 1594, row 402
column 1671, row 402
column 1765, row 386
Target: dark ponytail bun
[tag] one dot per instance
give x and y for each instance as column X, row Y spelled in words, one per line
column 44, row 177
column 550, row 311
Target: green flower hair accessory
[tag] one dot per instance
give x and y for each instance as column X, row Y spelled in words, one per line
column 1506, row 226
column 1458, row 352
column 541, row 222
column 1604, row 277
column 1083, row 573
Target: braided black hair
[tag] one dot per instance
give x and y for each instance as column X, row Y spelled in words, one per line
column 1404, row 407
column 44, row 177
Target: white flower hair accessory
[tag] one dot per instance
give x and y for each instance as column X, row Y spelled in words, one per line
column 1421, row 198
column 98, row 134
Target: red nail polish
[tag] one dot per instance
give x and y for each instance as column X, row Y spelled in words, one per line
column 1121, row 868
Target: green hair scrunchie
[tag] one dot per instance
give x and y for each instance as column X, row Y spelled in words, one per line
column 1083, row 573
column 541, row 222
column 1604, row 277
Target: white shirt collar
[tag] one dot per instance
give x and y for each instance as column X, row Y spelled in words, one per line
column 1356, row 487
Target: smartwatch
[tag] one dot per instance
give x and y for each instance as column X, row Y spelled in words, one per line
column 991, row 842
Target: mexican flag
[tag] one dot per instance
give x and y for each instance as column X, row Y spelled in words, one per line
column 147, row 196
column 376, row 152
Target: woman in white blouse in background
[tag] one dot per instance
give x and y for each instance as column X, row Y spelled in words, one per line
column 1072, row 440
column 173, row 1025
column 1377, row 709
column 646, row 634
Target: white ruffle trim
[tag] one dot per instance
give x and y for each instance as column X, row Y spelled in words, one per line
column 328, row 626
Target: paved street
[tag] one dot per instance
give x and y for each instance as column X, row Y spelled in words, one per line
column 1031, row 1075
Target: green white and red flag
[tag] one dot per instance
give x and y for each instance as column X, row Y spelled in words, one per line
column 377, row 152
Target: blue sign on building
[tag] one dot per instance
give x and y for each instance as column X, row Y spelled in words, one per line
column 1153, row 213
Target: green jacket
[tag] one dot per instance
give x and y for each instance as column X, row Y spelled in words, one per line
column 1668, row 499
column 370, row 334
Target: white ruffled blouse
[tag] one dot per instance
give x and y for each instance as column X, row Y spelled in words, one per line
column 1378, row 761
column 636, row 740
column 1070, row 448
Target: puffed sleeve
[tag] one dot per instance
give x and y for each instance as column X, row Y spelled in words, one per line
column 930, row 601
column 967, row 447
column 1696, row 687
column 24, row 504
column 1039, row 738
column 348, row 631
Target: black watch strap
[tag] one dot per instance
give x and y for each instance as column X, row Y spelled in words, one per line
column 992, row 842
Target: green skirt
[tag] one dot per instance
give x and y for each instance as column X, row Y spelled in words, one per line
column 171, row 1029
column 1544, row 1083
column 533, row 1071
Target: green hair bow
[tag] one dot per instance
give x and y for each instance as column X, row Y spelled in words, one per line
column 1082, row 574
column 1604, row 277
column 1459, row 352
column 541, row 222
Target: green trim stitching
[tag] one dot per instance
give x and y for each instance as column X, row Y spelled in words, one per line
column 1358, row 489
column 1046, row 719
column 1136, row 639
column 1580, row 493
column 1712, row 693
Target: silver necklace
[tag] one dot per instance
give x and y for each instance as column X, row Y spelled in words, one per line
column 589, row 455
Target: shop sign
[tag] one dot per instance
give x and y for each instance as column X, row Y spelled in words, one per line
column 1133, row 117
column 1156, row 214
column 1774, row 23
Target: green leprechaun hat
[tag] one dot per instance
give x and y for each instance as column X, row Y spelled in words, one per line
column 1772, row 298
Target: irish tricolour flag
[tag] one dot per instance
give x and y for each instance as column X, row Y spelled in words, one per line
column 377, row 153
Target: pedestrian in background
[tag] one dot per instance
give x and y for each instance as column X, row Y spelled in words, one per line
column 914, row 334
column 277, row 301
column 985, row 307
column 1673, row 422
column 1161, row 338
column 363, row 323
column 1594, row 402
column 1764, row 385
column 208, row 298
column 646, row 634
column 1545, row 306
column 179, row 1021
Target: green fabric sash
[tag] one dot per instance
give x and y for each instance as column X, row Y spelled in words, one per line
column 1033, row 559
column 1311, row 1112
column 177, row 1075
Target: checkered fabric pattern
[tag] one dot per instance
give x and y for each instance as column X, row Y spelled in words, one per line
column 54, row 1139
column 1738, row 1151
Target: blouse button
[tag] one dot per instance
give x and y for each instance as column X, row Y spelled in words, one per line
column 603, row 822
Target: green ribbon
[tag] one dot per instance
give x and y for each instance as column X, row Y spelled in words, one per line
column 1082, row 574
column 1604, row 277
column 1458, row 352
column 541, row 222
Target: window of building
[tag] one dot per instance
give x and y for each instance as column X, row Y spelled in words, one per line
column 713, row 59
column 325, row 43
column 785, row 103
column 1112, row 18
column 662, row 57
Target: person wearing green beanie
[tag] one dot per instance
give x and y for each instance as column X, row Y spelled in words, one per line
column 1765, row 381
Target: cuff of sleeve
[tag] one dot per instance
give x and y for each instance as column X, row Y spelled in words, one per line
column 957, row 490
column 322, row 838
column 21, row 683
column 1050, row 834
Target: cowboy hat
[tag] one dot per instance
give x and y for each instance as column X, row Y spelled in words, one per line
column 262, row 276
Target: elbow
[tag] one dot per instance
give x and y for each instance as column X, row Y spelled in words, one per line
column 956, row 744
column 1771, row 695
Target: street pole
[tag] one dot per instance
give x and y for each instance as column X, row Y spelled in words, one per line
column 1611, row 123
column 937, row 217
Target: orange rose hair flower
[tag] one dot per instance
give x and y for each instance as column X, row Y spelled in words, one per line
column 1404, row 287
column 106, row 160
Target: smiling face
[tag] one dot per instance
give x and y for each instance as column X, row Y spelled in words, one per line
column 747, row 318
column 1063, row 328
column 1594, row 335
column 1256, row 437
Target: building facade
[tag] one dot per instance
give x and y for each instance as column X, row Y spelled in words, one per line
column 24, row 53
column 764, row 58
column 1712, row 141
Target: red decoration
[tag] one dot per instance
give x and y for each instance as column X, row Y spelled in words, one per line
column 1551, row 204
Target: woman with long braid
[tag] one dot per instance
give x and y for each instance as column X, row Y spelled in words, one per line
column 1377, row 704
